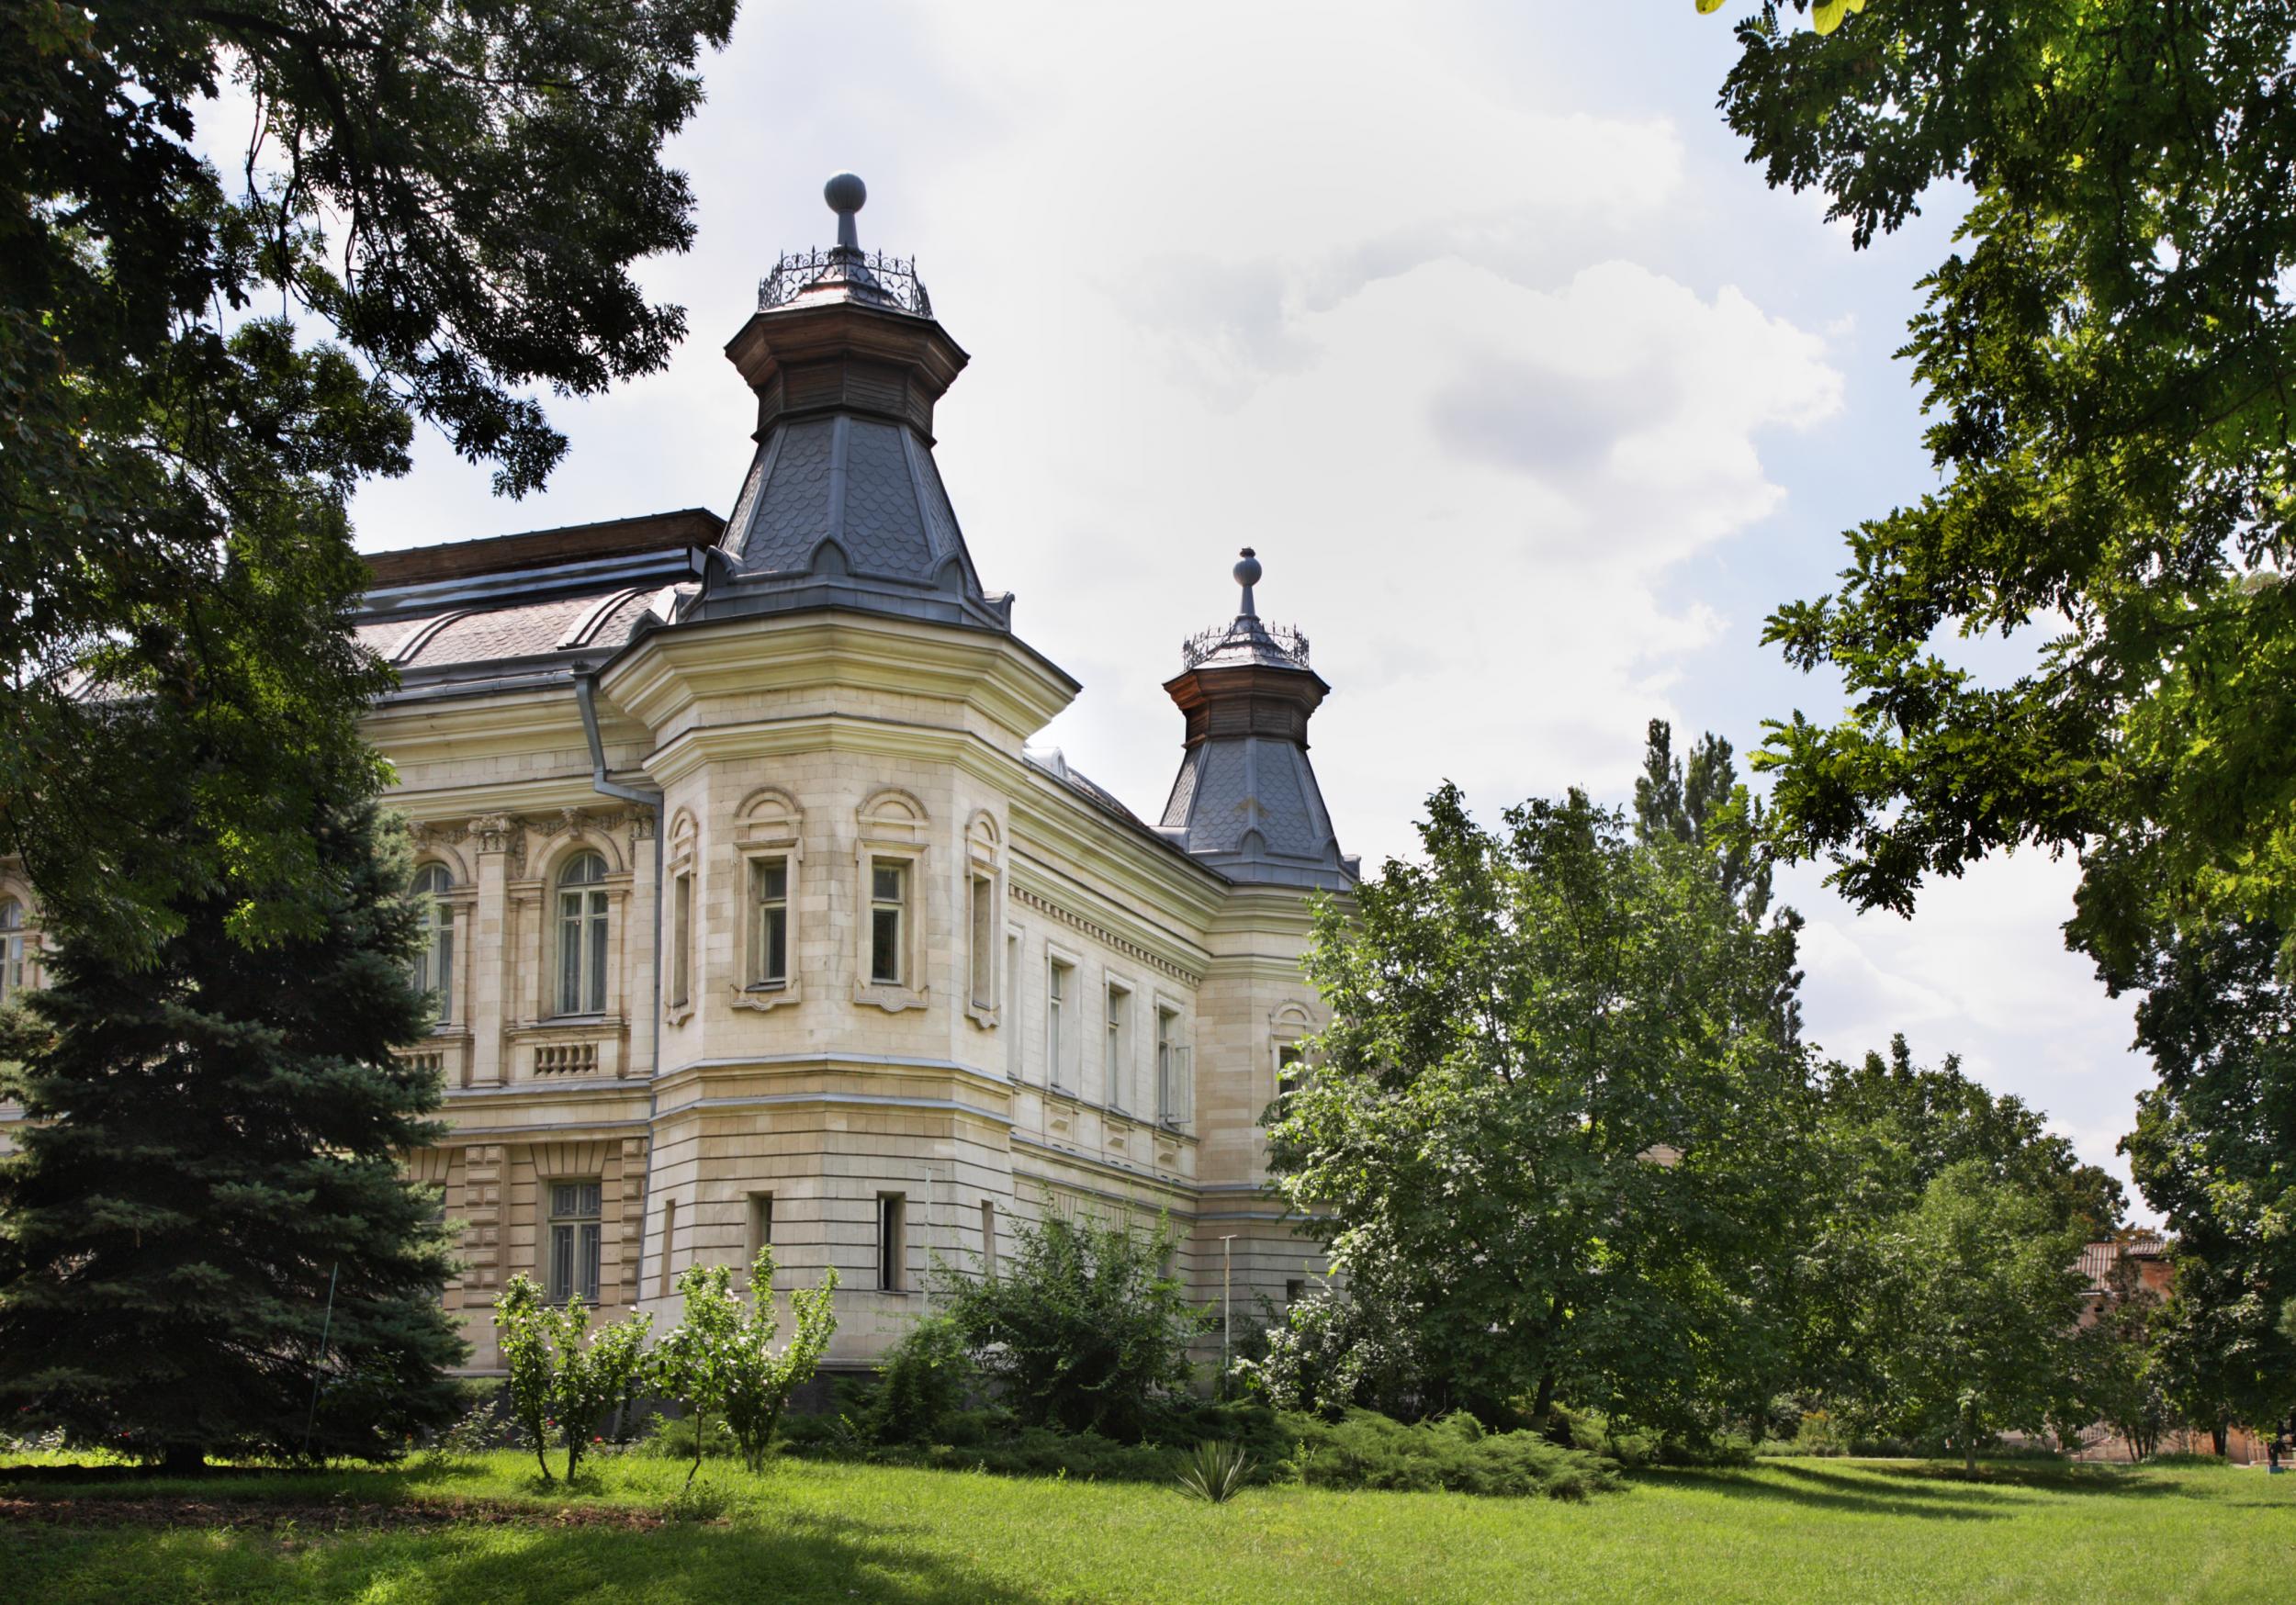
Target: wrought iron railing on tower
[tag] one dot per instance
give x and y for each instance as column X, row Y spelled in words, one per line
column 1206, row 644
column 893, row 276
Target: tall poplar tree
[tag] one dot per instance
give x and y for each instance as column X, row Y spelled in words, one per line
column 207, row 1244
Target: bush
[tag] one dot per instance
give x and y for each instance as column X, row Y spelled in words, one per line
column 1367, row 1451
column 673, row 1438
column 1635, row 1447
column 924, row 1384
column 562, row 1371
column 1083, row 1330
column 719, row 1361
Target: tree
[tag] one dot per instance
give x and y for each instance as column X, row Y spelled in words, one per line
column 444, row 204
column 1977, row 1307
column 2105, row 356
column 719, row 1356
column 1558, row 1115
column 564, row 1372
column 1084, row 1327
column 208, row 1216
column 2212, row 1150
column 1890, row 1129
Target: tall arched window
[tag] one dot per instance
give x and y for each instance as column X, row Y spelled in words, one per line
column 582, row 936
column 434, row 965
column 11, row 947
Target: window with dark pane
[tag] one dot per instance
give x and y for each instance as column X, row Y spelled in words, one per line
column 769, row 952
column 888, row 911
column 575, row 1239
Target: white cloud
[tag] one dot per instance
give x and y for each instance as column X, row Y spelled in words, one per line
column 1456, row 354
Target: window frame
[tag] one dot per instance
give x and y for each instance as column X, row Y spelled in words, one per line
column 896, row 906
column 1176, row 1070
column 20, row 947
column 771, row 827
column 1117, row 1031
column 584, row 1235
column 1063, row 1059
column 594, row 954
column 891, row 1242
column 891, row 827
column 678, row 994
column 434, row 883
column 986, row 959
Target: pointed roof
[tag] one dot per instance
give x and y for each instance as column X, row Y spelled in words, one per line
column 843, row 505
column 1246, row 801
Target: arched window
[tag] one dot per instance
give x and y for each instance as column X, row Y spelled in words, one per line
column 582, row 936
column 434, row 965
column 11, row 947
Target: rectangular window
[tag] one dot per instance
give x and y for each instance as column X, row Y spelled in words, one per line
column 1295, row 1289
column 1172, row 1070
column 988, row 1238
column 768, row 947
column 1291, row 1063
column 1056, row 988
column 681, row 941
column 1115, row 1065
column 761, row 1224
column 1012, row 1007
column 983, row 942
column 574, row 1240
column 888, row 914
column 668, row 1236
column 890, row 1254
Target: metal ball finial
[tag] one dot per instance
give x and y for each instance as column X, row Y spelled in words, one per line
column 846, row 195
column 1247, row 575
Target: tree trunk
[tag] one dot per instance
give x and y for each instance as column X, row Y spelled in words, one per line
column 2218, row 1436
column 183, row 1460
column 1969, row 1443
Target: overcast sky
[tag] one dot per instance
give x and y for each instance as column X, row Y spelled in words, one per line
column 1469, row 318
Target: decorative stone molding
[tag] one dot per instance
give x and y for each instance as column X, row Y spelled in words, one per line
column 1101, row 934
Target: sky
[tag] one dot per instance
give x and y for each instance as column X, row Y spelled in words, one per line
column 1469, row 318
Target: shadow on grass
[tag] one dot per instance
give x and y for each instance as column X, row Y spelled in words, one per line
column 784, row 1556
column 1934, row 1492
column 1833, row 1490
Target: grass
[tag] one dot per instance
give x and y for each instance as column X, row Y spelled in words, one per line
column 1783, row 1531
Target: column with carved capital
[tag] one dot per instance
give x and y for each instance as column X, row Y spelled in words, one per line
column 499, row 839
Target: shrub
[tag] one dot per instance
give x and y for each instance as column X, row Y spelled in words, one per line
column 719, row 1357
column 1083, row 1330
column 923, row 1385
column 1215, row 1472
column 674, row 1437
column 1367, row 1451
column 563, row 1372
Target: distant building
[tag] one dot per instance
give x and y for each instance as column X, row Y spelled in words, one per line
column 2147, row 1253
column 752, row 918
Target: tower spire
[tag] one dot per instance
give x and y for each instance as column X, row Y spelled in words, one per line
column 843, row 505
column 1246, row 801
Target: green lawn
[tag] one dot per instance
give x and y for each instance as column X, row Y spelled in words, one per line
column 1815, row 1531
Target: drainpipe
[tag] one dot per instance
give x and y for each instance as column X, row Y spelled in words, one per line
column 585, row 698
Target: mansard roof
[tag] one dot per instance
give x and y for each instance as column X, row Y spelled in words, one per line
column 520, row 609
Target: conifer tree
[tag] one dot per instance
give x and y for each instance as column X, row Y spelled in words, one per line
column 213, row 1146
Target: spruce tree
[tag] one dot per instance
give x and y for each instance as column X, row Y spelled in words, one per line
column 212, row 1140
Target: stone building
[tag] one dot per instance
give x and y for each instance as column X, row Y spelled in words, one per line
column 753, row 918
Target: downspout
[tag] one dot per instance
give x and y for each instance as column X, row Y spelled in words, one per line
column 585, row 698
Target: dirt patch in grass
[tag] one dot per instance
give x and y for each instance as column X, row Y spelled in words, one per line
column 317, row 1515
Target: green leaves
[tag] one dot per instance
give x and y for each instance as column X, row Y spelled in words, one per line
column 458, row 195
column 1517, row 1019
column 563, row 1371
column 2103, row 360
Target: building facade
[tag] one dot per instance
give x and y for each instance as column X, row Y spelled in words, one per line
column 752, row 917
